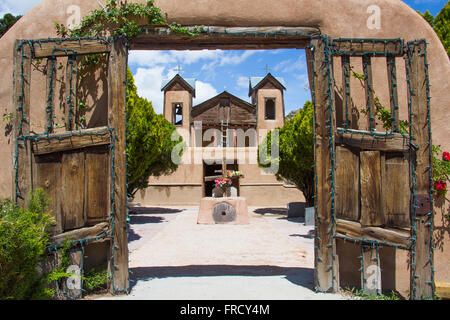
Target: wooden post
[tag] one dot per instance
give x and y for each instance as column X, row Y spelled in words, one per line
column 116, row 119
column 347, row 91
column 422, row 285
column 392, row 82
column 71, row 76
column 371, row 275
column 370, row 95
column 21, row 178
column 51, row 80
column 325, row 267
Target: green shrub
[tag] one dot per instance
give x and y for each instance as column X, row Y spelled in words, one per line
column 24, row 236
column 94, row 281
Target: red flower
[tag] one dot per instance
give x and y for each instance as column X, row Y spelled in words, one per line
column 446, row 156
column 440, row 186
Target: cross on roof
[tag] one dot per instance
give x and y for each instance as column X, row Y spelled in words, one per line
column 178, row 69
column 267, row 69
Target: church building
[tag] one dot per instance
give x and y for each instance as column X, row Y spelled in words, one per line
column 223, row 129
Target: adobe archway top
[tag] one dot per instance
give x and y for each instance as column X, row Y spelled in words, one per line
column 343, row 18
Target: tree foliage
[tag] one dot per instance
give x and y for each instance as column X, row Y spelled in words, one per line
column 296, row 152
column 440, row 24
column 7, row 22
column 149, row 141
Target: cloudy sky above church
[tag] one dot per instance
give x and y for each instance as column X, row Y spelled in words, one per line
column 216, row 71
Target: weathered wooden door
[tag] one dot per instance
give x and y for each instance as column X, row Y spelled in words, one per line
column 373, row 184
column 83, row 171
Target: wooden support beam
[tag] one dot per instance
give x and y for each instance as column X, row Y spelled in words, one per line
column 422, row 272
column 70, row 103
column 80, row 234
column 50, row 94
column 354, row 230
column 370, row 93
column 116, row 111
column 71, row 140
column 371, row 274
column 364, row 141
column 226, row 38
column 61, row 47
column 392, row 83
column 375, row 48
column 21, row 175
column 347, row 103
column 325, row 267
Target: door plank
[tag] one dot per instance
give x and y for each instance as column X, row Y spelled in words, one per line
column 371, row 213
column 73, row 190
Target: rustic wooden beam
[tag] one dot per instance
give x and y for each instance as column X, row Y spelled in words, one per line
column 61, row 47
column 354, row 230
column 392, row 83
column 226, row 38
column 325, row 278
column 71, row 140
column 373, row 47
column 347, row 103
column 21, row 174
column 117, row 69
column 364, row 141
column 371, row 273
column 50, row 94
column 80, row 234
column 370, row 93
column 71, row 83
column 422, row 284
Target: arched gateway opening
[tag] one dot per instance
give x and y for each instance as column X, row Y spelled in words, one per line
column 356, row 162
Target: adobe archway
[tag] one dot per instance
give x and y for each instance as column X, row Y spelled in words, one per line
column 334, row 18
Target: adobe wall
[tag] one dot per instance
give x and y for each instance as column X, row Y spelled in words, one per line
column 336, row 18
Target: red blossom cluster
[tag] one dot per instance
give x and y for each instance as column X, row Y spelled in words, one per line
column 446, row 156
column 440, row 186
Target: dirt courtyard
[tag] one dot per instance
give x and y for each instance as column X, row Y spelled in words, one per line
column 174, row 258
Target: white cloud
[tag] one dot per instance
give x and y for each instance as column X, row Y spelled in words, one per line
column 17, row 7
column 236, row 58
column 204, row 91
column 148, row 82
column 148, row 58
column 243, row 82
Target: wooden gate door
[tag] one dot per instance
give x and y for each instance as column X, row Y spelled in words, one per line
column 83, row 171
column 373, row 185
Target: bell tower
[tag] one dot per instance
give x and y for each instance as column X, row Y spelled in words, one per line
column 178, row 97
column 267, row 94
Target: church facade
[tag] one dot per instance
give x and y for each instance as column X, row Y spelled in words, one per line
column 223, row 129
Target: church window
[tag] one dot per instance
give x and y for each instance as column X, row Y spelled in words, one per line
column 270, row 109
column 177, row 114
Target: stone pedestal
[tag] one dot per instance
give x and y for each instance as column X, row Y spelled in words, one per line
column 233, row 210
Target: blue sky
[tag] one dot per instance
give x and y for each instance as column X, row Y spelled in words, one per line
column 216, row 70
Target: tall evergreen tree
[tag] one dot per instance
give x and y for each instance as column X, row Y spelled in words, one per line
column 7, row 22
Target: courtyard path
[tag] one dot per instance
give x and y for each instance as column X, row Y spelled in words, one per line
column 174, row 258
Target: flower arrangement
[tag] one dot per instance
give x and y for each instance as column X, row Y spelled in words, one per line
column 231, row 174
column 223, row 183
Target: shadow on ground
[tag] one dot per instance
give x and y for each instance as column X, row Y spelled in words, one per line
column 154, row 210
column 264, row 211
column 299, row 276
column 310, row 235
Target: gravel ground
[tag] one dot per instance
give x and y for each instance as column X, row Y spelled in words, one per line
column 174, row 258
